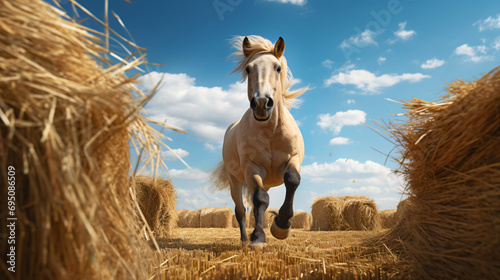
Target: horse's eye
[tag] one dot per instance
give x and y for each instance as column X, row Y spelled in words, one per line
column 278, row 69
column 247, row 69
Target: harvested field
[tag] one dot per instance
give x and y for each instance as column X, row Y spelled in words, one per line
column 211, row 253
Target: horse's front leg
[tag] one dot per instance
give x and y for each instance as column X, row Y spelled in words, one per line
column 239, row 209
column 260, row 198
column 281, row 224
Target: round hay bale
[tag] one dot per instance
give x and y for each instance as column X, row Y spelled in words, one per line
column 157, row 200
column 182, row 218
column 301, row 220
column 64, row 131
column 345, row 213
column 387, row 218
column 320, row 214
column 449, row 225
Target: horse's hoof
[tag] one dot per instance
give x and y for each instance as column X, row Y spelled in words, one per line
column 279, row 233
column 256, row 244
column 244, row 243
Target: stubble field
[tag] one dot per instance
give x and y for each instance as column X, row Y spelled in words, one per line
column 217, row 253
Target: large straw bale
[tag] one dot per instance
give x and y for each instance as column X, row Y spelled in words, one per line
column 345, row 213
column 450, row 157
column 65, row 125
column 157, row 200
column 301, row 219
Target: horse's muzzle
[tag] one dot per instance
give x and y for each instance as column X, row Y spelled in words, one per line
column 262, row 108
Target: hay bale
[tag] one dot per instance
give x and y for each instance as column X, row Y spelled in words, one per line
column 207, row 218
column 182, row 218
column 388, row 218
column 301, row 220
column 345, row 213
column 157, row 200
column 222, row 217
column 449, row 228
column 64, row 129
column 193, row 219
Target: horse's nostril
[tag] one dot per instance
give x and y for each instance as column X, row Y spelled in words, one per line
column 253, row 103
column 270, row 103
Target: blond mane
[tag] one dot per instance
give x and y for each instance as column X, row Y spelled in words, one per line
column 260, row 45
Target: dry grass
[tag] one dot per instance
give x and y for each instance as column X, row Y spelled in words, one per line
column 217, row 254
column 450, row 158
column 157, row 200
column 345, row 213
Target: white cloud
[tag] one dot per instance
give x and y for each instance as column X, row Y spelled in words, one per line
column 193, row 174
column 201, row 198
column 432, row 63
column 368, row 82
column 496, row 43
column 170, row 156
column 351, row 101
column 204, row 111
column 340, row 141
column 361, row 40
column 327, row 63
column 404, row 34
column 335, row 122
column 473, row 53
column 350, row 176
column 489, row 23
column 209, row 147
column 293, row 2
column 381, row 60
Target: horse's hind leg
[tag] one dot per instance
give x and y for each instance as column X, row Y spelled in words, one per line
column 239, row 209
column 281, row 224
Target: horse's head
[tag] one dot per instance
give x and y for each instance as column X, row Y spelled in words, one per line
column 264, row 73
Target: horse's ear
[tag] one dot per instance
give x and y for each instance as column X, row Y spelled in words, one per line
column 246, row 47
column 279, row 47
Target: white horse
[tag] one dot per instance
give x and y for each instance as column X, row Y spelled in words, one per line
column 265, row 147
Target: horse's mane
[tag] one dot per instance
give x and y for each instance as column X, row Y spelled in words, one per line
column 260, row 45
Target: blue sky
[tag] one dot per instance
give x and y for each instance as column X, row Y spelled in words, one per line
column 355, row 55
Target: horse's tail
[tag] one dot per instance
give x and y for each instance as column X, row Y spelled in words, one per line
column 220, row 182
column 219, row 178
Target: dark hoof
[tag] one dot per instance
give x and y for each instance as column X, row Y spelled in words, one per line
column 279, row 233
column 244, row 243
